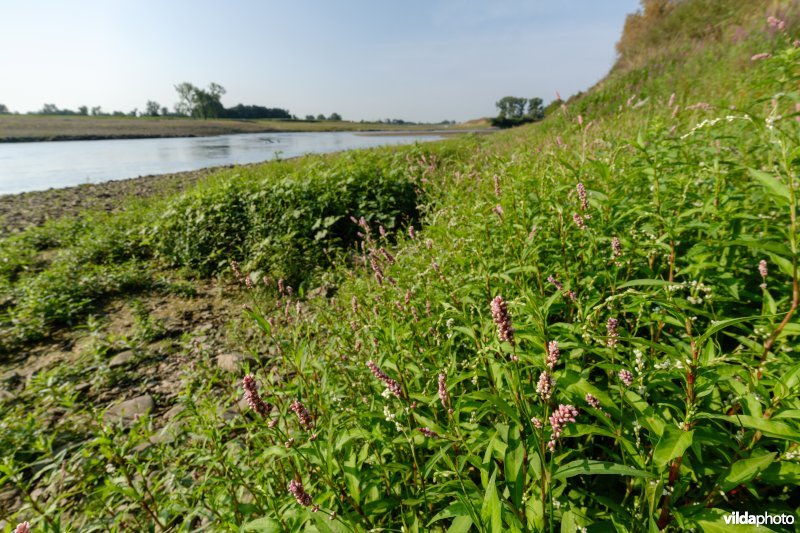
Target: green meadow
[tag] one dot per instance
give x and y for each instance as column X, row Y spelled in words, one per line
column 587, row 323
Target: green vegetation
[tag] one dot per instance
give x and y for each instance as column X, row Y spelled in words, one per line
column 592, row 326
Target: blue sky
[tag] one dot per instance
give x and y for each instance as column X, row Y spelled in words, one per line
column 422, row 60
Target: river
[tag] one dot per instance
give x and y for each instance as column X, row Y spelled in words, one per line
column 43, row 165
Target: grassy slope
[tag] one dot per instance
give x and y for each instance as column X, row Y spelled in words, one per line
column 49, row 128
column 707, row 425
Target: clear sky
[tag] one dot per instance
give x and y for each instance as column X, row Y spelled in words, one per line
column 420, row 60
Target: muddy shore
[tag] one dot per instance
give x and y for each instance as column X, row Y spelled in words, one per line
column 23, row 210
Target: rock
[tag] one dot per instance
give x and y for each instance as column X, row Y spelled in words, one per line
column 83, row 345
column 128, row 411
column 162, row 347
column 174, row 411
column 232, row 362
column 173, row 327
column 122, row 359
column 11, row 378
column 118, row 346
column 167, row 435
column 237, row 410
column 5, row 395
column 82, row 387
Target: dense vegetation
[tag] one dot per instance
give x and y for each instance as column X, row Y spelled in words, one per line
column 586, row 324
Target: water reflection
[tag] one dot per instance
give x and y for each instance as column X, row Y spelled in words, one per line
column 41, row 165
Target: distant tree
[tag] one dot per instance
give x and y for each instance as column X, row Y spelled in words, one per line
column 216, row 90
column 83, row 110
column 320, row 117
column 4, row 109
column 514, row 111
column 49, row 109
column 97, row 111
column 134, row 112
column 151, row 108
column 511, row 107
column 185, row 103
column 535, row 108
column 255, row 111
column 335, row 116
column 309, row 117
column 164, row 111
column 199, row 103
column 118, row 114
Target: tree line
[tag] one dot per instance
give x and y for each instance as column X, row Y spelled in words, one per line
column 515, row 111
column 193, row 101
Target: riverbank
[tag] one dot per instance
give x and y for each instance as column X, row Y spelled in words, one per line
column 21, row 211
column 34, row 128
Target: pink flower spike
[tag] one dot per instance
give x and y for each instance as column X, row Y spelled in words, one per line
column 252, row 396
column 299, row 493
column 582, row 196
column 616, row 247
column 392, row 385
column 762, row 268
column 776, row 23
column 544, row 387
column 502, row 319
column 302, row 413
column 444, row 396
column 562, row 416
column 594, row 402
column 428, row 433
column 553, row 354
column 613, row 334
column 579, row 221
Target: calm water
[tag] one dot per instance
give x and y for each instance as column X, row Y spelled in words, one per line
column 42, row 165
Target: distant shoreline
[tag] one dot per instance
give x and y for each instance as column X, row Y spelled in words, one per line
column 34, row 128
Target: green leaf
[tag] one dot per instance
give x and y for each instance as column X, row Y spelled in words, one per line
column 263, row 525
column 783, row 473
column 672, row 444
column 760, row 244
column 590, row 467
column 647, row 415
column 499, row 403
column 744, row 470
column 773, row 185
column 645, row 283
column 513, row 464
column 461, row 524
column 453, row 510
column 491, row 511
column 785, row 265
column 722, row 324
column 352, row 475
column 768, row 427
